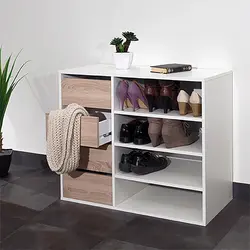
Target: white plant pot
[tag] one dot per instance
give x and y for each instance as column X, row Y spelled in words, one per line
column 123, row 60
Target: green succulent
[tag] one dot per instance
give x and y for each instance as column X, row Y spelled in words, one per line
column 122, row 47
column 130, row 36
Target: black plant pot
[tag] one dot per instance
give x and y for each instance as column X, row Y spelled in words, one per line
column 5, row 161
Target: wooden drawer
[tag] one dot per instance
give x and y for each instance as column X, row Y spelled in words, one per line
column 97, row 159
column 87, row 92
column 94, row 133
column 88, row 187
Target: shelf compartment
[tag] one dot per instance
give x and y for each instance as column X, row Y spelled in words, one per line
column 181, row 173
column 194, row 149
column 167, row 203
column 173, row 115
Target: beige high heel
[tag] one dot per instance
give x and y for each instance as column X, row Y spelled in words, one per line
column 195, row 102
column 183, row 102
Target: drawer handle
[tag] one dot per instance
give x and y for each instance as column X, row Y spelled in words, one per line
column 106, row 135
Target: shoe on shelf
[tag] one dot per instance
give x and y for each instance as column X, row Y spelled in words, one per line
column 183, row 102
column 122, row 92
column 148, row 163
column 127, row 160
column 152, row 93
column 188, row 104
column 136, row 94
column 177, row 133
column 168, row 94
column 154, row 131
column 127, row 131
column 195, row 102
column 141, row 136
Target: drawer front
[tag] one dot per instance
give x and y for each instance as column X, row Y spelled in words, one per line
column 88, row 187
column 97, row 159
column 93, row 133
column 86, row 92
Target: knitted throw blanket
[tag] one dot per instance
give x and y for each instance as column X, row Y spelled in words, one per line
column 63, row 138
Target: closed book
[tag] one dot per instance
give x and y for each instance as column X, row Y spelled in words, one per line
column 170, row 68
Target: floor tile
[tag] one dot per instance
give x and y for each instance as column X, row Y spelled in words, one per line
column 13, row 217
column 42, row 182
column 25, row 197
column 33, row 237
column 43, row 237
column 238, row 237
column 120, row 245
column 102, row 222
column 81, row 218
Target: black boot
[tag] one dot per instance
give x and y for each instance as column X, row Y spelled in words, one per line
column 127, row 131
column 141, row 133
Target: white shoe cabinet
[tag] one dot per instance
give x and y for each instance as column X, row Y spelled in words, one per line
column 198, row 183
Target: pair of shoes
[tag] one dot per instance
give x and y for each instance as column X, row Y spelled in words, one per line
column 131, row 91
column 167, row 93
column 143, row 163
column 185, row 102
column 173, row 133
column 135, row 131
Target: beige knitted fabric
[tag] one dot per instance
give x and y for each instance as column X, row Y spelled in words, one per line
column 63, row 138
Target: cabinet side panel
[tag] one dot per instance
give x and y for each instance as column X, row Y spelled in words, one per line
column 218, row 144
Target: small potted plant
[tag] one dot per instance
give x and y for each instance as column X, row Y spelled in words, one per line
column 8, row 82
column 122, row 57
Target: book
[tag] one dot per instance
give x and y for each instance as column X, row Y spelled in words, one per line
column 171, row 68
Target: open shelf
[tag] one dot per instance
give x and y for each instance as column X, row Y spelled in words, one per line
column 174, row 115
column 181, row 173
column 194, row 149
column 167, row 203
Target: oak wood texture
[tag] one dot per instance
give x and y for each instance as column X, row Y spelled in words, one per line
column 89, row 131
column 87, row 92
column 88, row 187
column 97, row 159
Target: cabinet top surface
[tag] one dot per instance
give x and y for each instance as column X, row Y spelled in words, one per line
column 144, row 72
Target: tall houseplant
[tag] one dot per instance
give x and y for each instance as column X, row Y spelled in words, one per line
column 122, row 57
column 9, row 78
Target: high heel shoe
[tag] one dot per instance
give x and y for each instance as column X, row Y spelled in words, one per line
column 183, row 102
column 166, row 97
column 135, row 93
column 154, row 131
column 195, row 102
column 177, row 133
column 152, row 91
column 188, row 104
column 122, row 92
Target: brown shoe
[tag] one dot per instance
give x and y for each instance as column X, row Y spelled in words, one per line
column 154, row 131
column 152, row 92
column 169, row 93
column 178, row 133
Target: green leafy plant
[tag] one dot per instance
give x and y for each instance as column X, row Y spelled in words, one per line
column 122, row 47
column 8, row 82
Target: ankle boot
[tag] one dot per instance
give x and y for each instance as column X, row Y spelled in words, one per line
column 152, row 92
column 178, row 133
column 166, row 97
column 141, row 136
column 154, row 131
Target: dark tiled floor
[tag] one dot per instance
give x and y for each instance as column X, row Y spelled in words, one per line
column 32, row 217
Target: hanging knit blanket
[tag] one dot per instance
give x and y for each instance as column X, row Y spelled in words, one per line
column 63, row 138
